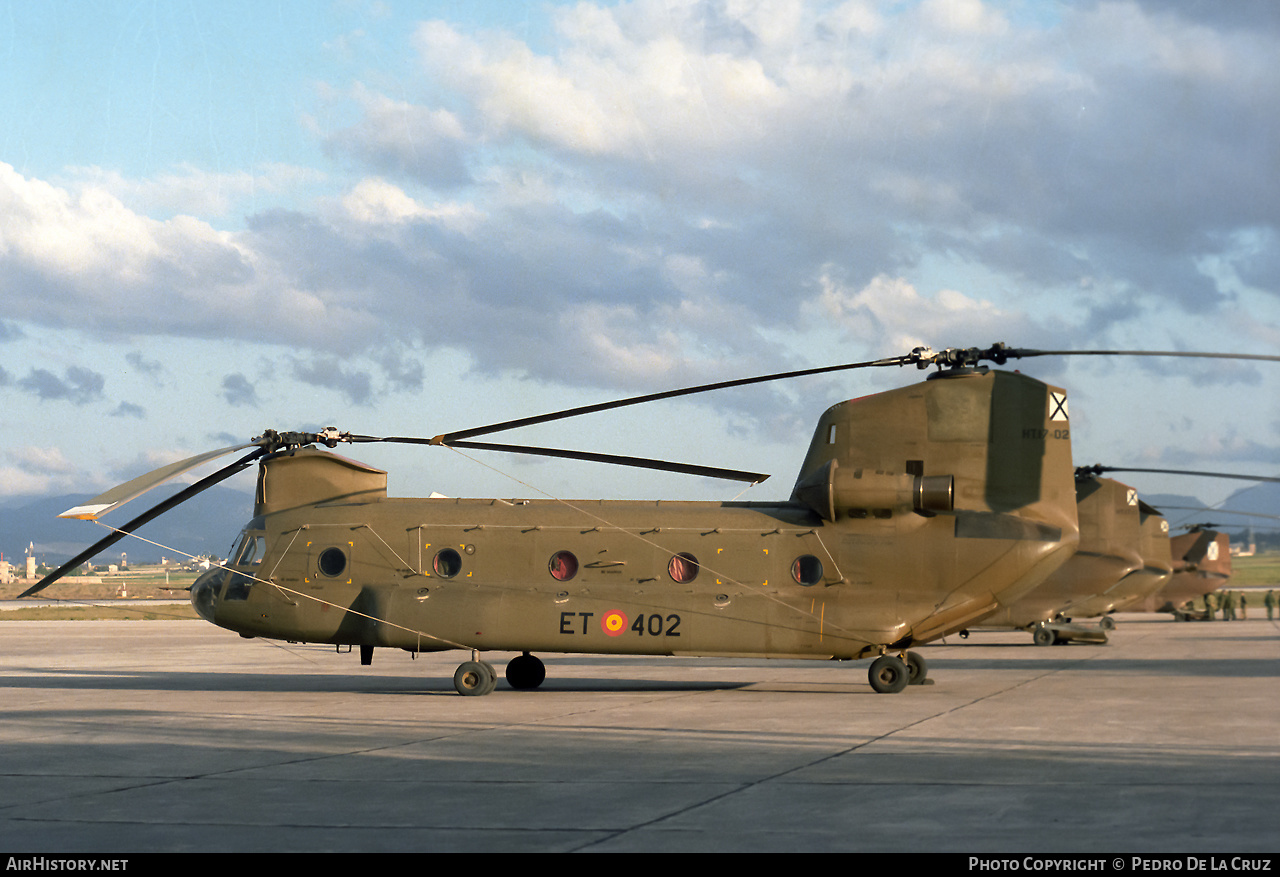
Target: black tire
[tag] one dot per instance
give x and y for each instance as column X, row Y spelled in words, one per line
column 473, row 679
column 525, row 672
column 917, row 668
column 1043, row 636
column 1107, row 623
column 888, row 675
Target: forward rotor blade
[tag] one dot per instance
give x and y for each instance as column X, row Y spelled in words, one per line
column 452, row 437
column 589, row 456
column 116, row 535
column 638, row 462
column 122, row 493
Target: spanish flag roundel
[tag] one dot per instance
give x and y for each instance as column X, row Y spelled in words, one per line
column 614, row 622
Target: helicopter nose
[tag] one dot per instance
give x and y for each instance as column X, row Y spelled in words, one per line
column 204, row 594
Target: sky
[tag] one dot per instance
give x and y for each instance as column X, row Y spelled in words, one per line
column 413, row 218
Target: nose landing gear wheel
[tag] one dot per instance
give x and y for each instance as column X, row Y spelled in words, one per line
column 888, row 675
column 474, row 678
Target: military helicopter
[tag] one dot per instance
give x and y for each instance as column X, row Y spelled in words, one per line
column 1202, row 565
column 1156, row 571
column 916, row 513
column 1124, row 563
column 1111, row 560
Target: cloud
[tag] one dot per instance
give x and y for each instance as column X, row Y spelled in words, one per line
column 329, row 373
column 377, row 202
column 396, row 137
column 80, row 385
column 403, row 372
column 129, row 409
column 819, row 136
column 30, row 470
column 1227, row 447
column 237, row 391
column 80, row 257
column 144, row 365
column 891, row 314
column 669, row 194
column 192, row 191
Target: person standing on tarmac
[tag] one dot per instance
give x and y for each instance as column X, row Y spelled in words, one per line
column 1270, row 602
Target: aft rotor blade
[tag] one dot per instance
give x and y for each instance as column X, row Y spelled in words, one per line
column 122, row 493
column 638, row 462
column 1022, row 353
column 116, row 535
column 1187, row 508
column 451, row 438
column 1098, row 470
column 921, row 357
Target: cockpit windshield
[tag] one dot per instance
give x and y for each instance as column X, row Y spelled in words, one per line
column 248, row 552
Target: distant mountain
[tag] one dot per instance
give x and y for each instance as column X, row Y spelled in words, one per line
column 1177, row 508
column 1166, row 500
column 1260, row 498
column 1255, row 506
column 206, row 524
column 1261, row 502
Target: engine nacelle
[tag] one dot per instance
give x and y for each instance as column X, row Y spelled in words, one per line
column 830, row 490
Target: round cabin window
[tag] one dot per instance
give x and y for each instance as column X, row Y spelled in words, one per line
column 683, row 568
column 447, row 563
column 332, row 561
column 563, row 566
column 807, row 570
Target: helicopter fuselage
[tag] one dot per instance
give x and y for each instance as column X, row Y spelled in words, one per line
column 866, row 556
column 657, row 578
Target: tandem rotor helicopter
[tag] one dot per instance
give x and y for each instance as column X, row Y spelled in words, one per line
column 917, row 512
column 1123, row 557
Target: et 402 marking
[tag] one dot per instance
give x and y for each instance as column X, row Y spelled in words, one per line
column 616, row 623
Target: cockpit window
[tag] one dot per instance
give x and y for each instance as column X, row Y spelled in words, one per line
column 249, row 551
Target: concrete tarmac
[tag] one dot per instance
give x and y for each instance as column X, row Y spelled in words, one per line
column 133, row 737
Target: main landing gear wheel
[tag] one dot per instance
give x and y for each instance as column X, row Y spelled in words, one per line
column 888, row 674
column 525, row 672
column 917, row 668
column 474, row 678
column 1107, row 623
column 1043, row 636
